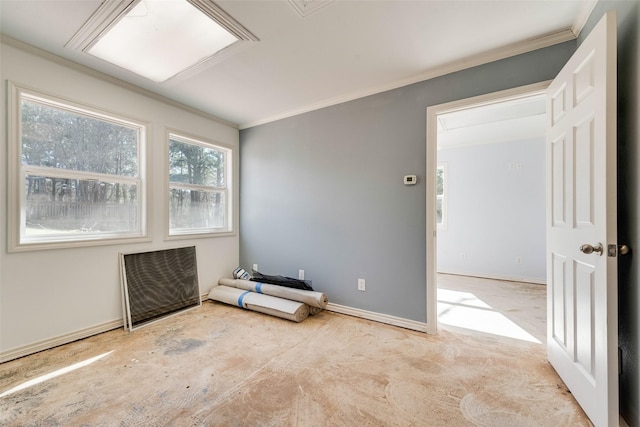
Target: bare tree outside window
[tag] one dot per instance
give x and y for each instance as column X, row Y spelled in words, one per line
column 198, row 187
column 80, row 172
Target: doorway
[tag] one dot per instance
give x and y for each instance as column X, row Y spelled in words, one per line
column 486, row 141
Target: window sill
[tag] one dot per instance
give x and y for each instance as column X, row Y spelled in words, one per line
column 199, row 235
column 70, row 244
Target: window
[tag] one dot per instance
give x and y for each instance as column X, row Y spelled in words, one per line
column 199, row 184
column 76, row 173
column 441, row 196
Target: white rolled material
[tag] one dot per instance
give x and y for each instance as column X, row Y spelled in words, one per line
column 312, row 298
column 314, row 310
column 278, row 307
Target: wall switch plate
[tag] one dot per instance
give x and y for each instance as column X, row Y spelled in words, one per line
column 301, row 274
column 361, row 286
column 255, row 267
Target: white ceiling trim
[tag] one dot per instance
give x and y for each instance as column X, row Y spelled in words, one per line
column 469, row 62
column 583, row 16
column 99, row 23
column 216, row 13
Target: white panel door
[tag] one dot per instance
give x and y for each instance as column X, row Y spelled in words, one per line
column 582, row 311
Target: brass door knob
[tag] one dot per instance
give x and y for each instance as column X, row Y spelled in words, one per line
column 588, row 249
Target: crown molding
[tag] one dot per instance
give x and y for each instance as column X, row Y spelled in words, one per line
column 462, row 64
column 583, row 15
column 110, row 79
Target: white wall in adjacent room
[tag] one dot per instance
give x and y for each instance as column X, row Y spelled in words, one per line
column 495, row 211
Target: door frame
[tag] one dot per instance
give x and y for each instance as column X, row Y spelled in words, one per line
column 431, row 163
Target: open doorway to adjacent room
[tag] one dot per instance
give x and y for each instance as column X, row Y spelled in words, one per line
column 490, row 217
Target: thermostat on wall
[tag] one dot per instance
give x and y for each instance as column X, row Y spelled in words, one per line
column 410, row 179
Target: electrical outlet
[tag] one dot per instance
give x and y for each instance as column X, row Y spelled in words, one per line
column 361, row 286
column 255, row 267
column 301, row 274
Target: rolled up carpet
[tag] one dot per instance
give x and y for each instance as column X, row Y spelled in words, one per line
column 278, row 307
column 314, row 310
column 312, row 298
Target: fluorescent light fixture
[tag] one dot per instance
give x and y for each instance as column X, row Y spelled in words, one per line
column 159, row 39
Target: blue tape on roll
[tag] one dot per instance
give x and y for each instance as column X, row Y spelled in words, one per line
column 259, row 288
column 240, row 298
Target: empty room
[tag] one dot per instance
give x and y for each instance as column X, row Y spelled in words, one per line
column 183, row 180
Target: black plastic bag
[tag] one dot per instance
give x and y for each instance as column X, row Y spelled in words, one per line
column 289, row 282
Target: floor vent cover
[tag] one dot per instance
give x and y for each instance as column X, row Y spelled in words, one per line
column 158, row 284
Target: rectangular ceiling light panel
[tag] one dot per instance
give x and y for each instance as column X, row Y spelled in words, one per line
column 159, row 39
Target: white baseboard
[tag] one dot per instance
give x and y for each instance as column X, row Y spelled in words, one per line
column 498, row 277
column 26, row 350
column 378, row 317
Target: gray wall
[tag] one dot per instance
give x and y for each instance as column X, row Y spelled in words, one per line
column 495, row 213
column 628, row 15
column 323, row 191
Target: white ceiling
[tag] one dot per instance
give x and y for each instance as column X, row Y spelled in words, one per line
column 344, row 50
column 507, row 121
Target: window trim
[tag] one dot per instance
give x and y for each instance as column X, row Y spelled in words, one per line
column 445, row 191
column 16, row 172
column 228, row 190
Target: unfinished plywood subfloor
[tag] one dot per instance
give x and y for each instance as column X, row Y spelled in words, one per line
column 498, row 307
column 220, row 365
